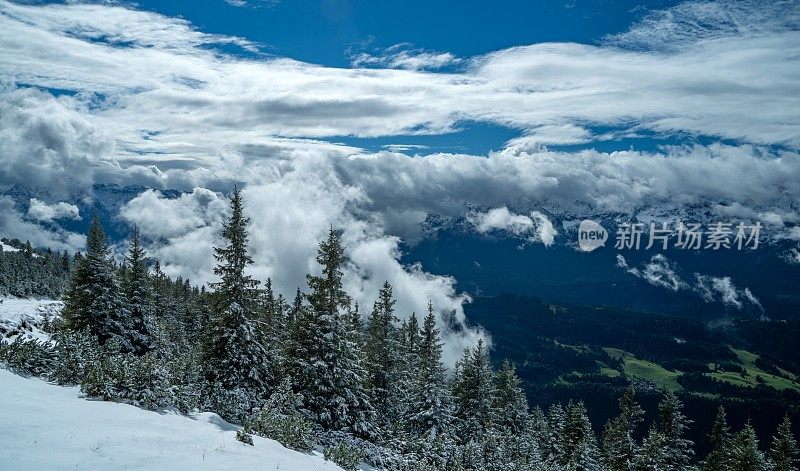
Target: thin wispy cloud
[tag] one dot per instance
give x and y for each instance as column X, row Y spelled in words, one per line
column 660, row 271
column 405, row 56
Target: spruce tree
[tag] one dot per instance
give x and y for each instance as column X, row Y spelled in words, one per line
column 512, row 420
column 238, row 365
column 136, row 289
column 473, row 390
column 381, row 355
column 619, row 446
column 407, row 361
column 93, row 299
column 326, row 365
column 783, row 452
column 235, row 285
column 673, row 425
column 718, row 458
column 509, row 402
column 578, row 442
column 745, row 455
column 430, row 418
column 556, row 421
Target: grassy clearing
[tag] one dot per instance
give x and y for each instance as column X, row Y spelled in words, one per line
column 752, row 373
column 645, row 370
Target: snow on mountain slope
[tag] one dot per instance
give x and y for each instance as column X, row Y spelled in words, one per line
column 43, row 426
column 26, row 317
column 8, row 248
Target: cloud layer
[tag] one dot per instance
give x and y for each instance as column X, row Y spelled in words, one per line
column 105, row 93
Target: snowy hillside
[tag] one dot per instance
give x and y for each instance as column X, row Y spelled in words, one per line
column 26, row 317
column 53, row 427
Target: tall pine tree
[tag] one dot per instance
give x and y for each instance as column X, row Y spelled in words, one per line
column 326, row 364
column 238, row 364
column 473, row 390
column 430, row 412
column 93, row 300
column 381, row 355
column 783, row 452
column 745, row 455
column 619, row 445
column 718, row 458
column 138, row 298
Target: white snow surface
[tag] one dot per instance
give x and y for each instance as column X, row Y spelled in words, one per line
column 48, row 427
column 8, row 248
column 25, row 317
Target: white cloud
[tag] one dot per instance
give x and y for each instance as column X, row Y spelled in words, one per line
column 170, row 79
column 41, row 211
column 289, row 215
column 405, row 56
column 714, row 288
column 164, row 218
column 251, row 3
column 535, row 227
column 660, row 272
column 14, row 226
column 536, row 138
column 792, row 256
column 688, row 23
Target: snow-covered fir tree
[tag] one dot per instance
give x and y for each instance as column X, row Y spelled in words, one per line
column 783, row 452
column 718, row 458
column 93, row 300
column 430, row 414
column 473, row 390
column 136, row 291
column 326, row 365
column 619, row 446
column 745, row 455
column 512, row 420
column 381, row 353
column 666, row 447
column 579, row 450
column 238, row 365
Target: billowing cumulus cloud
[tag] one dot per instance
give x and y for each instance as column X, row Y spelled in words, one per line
column 41, row 211
column 15, row 226
column 288, row 218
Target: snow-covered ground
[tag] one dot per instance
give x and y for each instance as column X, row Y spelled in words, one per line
column 48, row 427
column 8, row 248
column 25, row 317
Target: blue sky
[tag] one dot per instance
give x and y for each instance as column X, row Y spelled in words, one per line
column 325, row 31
